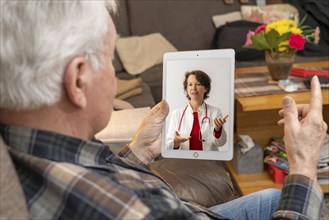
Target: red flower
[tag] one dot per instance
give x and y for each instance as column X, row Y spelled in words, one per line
column 260, row 28
column 297, row 41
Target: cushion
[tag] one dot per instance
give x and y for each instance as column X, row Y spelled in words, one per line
column 139, row 53
column 121, row 104
column 268, row 13
column 186, row 23
column 316, row 13
column 144, row 99
column 220, row 20
column 233, row 35
column 130, row 93
column 123, row 125
column 128, row 88
column 117, row 63
column 204, row 182
column 124, row 86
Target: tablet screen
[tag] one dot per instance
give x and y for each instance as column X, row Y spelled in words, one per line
column 198, row 86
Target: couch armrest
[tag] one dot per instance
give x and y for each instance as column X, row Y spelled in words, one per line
column 206, row 183
column 122, row 125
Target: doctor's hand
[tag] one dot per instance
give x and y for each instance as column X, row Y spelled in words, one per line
column 304, row 132
column 219, row 122
column 178, row 140
column 146, row 143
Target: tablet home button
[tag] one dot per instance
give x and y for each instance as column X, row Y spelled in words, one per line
column 195, row 154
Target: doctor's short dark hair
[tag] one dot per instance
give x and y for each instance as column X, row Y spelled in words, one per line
column 201, row 77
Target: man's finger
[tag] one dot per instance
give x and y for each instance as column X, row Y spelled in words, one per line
column 281, row 122
column 316, row 96
column 161, row 108
column 301, row 108
column 290, row 112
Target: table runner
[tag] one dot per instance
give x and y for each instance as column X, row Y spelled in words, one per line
column 254, row 84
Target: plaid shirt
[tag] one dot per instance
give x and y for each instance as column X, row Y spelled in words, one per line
column 67, row 178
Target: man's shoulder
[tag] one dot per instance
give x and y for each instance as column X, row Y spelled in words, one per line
column 71, row 189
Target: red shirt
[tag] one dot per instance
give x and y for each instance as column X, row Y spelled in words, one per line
column 196, row 136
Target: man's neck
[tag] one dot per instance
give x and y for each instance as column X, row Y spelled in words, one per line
column 46, row 118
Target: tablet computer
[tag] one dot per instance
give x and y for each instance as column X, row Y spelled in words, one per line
column 199, row 88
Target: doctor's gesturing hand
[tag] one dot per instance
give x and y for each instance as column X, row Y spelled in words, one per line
column 178, row 140
column 219, row 123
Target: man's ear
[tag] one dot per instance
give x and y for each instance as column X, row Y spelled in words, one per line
column 75, row 81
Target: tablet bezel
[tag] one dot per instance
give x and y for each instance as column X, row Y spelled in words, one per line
column 199, row 56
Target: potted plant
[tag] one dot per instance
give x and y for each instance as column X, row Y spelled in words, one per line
column 280, row 40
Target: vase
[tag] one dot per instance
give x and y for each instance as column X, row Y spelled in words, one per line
column 279, row 64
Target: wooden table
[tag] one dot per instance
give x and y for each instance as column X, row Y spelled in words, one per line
column 257, row 116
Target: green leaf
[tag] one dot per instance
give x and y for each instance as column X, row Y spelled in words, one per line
column 284, row 37
column 303, row 27
column 272, row 37
column 260, row 42
column 302, row 21
column 307, row 32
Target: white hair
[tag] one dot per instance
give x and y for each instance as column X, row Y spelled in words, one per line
column 38, row 40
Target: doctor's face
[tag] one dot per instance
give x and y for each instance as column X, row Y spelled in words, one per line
column 194, row 88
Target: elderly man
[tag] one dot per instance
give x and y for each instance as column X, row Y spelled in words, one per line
column 57, row 89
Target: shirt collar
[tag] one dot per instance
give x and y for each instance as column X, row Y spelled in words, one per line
column 55, row 146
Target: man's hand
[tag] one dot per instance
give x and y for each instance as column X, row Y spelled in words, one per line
column 304, row 132
column 146, row 143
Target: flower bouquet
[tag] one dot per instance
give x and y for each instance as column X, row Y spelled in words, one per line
column 280, row 40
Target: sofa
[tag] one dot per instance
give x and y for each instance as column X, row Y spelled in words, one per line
column 185, row 25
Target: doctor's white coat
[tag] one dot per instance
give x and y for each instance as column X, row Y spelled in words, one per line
column 209, row 141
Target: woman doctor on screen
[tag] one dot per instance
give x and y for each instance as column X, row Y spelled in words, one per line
column 197, row 125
